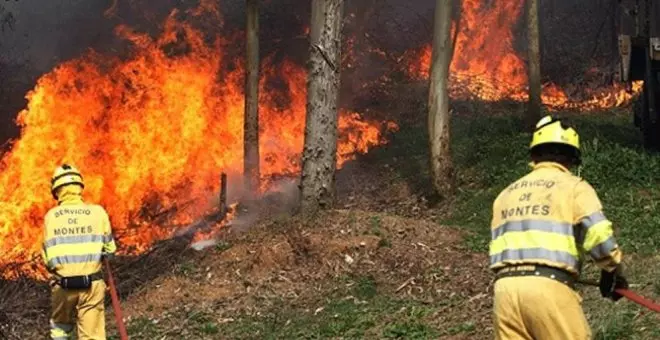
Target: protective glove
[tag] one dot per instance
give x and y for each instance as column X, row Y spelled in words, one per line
column 610, row 282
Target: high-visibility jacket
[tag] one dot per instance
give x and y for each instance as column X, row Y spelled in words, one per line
column 76, row 235
column 551, row 217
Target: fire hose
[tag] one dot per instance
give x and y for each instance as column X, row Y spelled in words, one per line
column 630, row 295
column 115, row 302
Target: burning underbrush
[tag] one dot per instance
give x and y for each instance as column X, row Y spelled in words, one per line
column 153, row 128
column 471, row 83
column 485, row 65
column 151, row 133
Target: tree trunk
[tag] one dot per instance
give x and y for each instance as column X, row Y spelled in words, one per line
column 534, row 102
column 614, row 38
column 439, row 117
column 251, row 120
column 317, row 183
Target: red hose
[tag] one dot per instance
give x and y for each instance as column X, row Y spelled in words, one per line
column 115, row 302
column 634, row 297
column 630, row 295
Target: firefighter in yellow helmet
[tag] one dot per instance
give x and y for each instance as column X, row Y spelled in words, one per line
column 541, row 225
column 76, row 237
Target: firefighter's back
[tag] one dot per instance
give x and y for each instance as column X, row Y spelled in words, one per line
column 534, row 253
column 75, row 235
column 533, row 218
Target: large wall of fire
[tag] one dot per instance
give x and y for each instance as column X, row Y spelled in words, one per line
column 148, row 102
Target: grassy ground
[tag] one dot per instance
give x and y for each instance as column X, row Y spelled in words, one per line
column 489, row 152
column 339, row 317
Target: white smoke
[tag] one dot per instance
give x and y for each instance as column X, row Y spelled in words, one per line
column 281, row 199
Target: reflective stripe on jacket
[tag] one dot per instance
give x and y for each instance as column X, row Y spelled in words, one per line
column 76, row 235
column 550, row 217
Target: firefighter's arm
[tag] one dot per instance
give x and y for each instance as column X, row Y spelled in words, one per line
column 598, row 241
column 44, row 256
column 44, row 251
column 109, row 246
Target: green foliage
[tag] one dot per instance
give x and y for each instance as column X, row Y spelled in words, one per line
column 181, row 324
column 489, row 153
column 375, row 223
column 409, row 330
column 222, row 246
column 209, row 328
column 142, row 327
column 365, row 287
column 185, row 269
column 340, row 317
column 618, row 326
column 466, row 327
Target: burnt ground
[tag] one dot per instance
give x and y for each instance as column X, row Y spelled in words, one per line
column 391, row 261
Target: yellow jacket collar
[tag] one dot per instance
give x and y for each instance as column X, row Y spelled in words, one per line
column 70, row 194
column 545, row 165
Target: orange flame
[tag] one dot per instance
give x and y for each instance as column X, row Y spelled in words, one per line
column 151, row 133
column 486, row 67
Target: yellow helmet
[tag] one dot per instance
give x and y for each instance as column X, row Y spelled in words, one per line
column 552, row 130
column 65, row 175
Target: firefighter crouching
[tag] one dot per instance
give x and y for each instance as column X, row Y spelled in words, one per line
column 76, row 237
column 541, row 224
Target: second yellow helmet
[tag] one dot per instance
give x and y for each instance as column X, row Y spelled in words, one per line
column 552, row 130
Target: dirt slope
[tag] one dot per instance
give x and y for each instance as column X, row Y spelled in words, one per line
column 301, row 263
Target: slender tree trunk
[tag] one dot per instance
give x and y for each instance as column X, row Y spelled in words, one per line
column 614, row 38
column 439, row 117
column 534, row 56
column 251, row 122
column 317, row 184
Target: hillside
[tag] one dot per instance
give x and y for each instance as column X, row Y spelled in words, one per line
column 148, row 100
column 390, row 261
column 350, row 273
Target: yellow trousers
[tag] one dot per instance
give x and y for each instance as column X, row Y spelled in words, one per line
column 537, row 308
column 84, row 308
